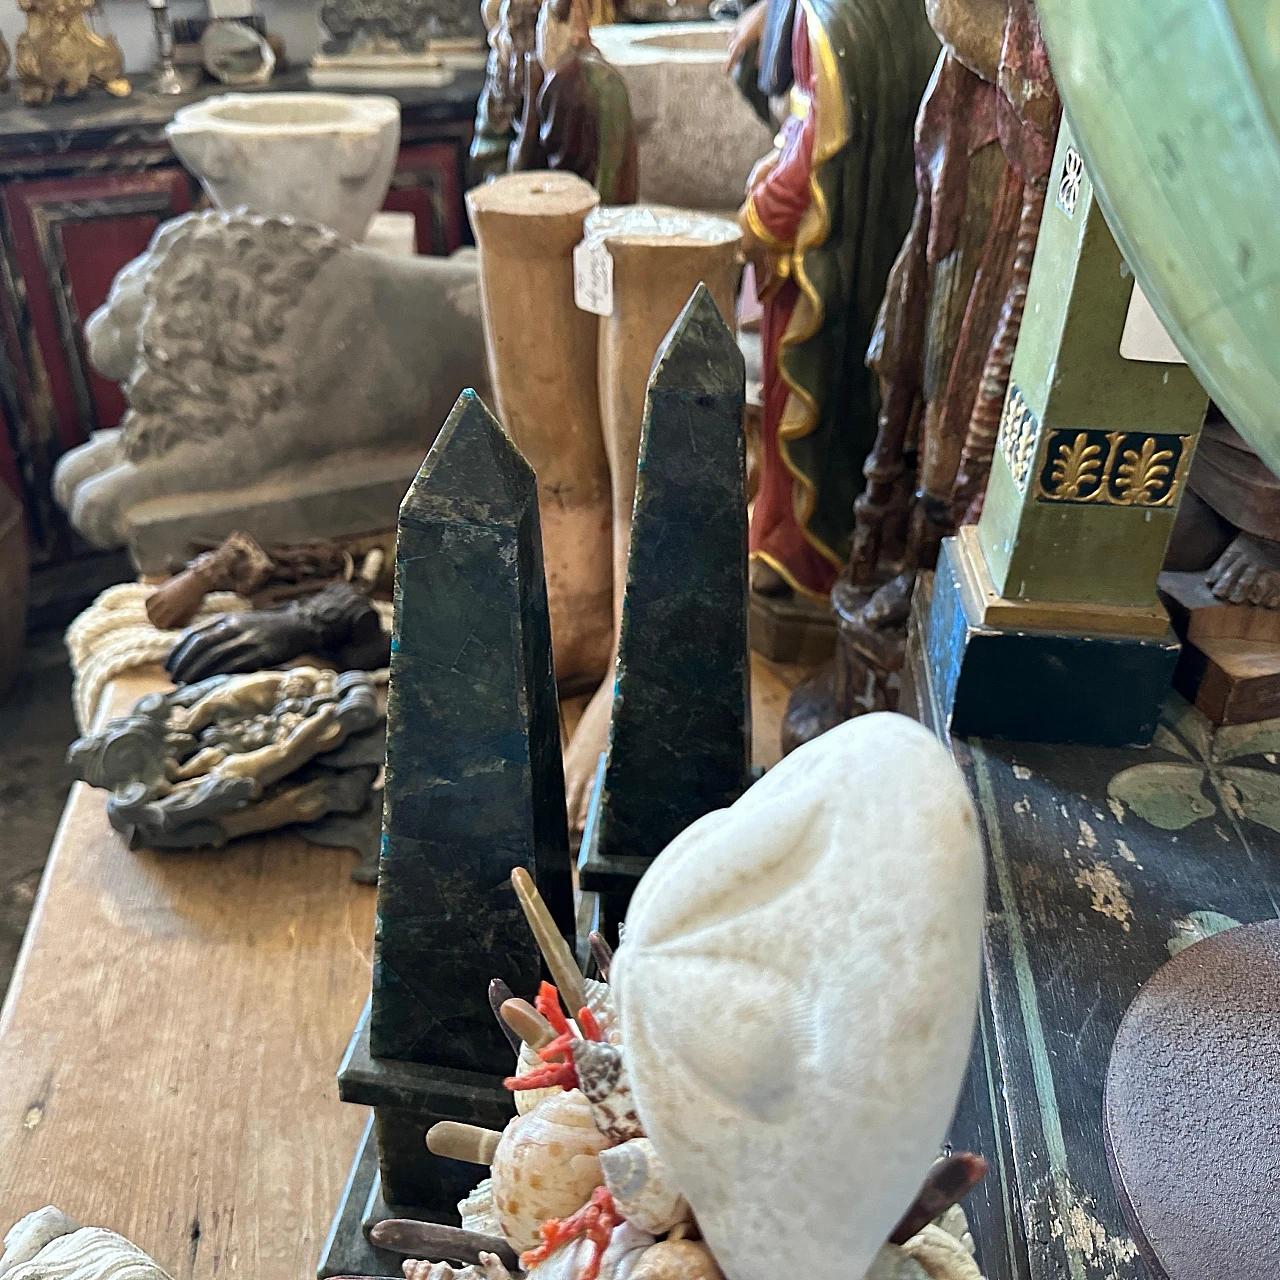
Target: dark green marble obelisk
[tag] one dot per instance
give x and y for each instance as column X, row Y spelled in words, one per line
column 474, row 781
column 680, row 736
column 474, row 787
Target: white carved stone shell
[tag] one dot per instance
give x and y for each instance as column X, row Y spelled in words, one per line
column 797, row 990
column 92, row 1253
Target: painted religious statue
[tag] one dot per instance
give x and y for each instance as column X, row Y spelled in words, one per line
column 944, row 339
column 551, row 101
column 824, row 216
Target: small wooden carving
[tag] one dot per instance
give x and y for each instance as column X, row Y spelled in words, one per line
column 577, row 115
column 944, row 339
column 59, row 56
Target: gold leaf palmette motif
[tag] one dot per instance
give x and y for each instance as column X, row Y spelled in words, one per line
column 1141, row 476
column 1077, row 465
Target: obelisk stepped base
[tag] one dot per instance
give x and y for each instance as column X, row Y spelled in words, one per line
column 994, row 674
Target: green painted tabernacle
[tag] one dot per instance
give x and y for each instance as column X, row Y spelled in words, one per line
column 1093, row 447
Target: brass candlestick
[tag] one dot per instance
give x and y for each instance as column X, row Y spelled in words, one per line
column 169, row 81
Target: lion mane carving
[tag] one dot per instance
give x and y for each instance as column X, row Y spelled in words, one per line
column 260, row 350
column 211, row 361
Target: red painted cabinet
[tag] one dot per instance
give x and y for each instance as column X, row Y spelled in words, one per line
column 70, row 237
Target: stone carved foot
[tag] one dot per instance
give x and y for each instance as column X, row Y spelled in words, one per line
column 100, row 453
column 1247, row 572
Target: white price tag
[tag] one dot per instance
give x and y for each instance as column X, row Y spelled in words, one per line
column 1144, row 337
column 593, row 278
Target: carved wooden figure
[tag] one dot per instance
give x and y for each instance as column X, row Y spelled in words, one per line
column 824, row 216
column 577, row 115
column 944, row 338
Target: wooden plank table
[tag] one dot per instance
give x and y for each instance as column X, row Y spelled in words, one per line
column 169, row 1042
column 170, row 1037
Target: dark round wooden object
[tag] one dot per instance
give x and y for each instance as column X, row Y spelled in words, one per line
column 1193, row 1110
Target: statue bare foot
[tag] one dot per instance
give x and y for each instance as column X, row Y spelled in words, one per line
column 582, row 756
column 1247, row 572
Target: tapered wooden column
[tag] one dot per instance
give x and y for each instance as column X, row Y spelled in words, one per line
column 542, row 360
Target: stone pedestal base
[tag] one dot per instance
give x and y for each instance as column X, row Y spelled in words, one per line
column 340, row 498
column 791, row 629
column 1001, row 668
column 403, row 1179
column 346, row 1250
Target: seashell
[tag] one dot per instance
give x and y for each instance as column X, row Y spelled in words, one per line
column 894, row 1263
column 941, row 1256
column 527, row 1099
column 91, row 1253
column 602, row 1077
column 546, row 1166
column 642, row 1188
column 600, row 1002
column 29, row 1235
column 676, row 1260
column 478, row 1212
column 489, row 1268
column 796, row 992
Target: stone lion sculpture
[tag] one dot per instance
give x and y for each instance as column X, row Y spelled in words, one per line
column 278, row 379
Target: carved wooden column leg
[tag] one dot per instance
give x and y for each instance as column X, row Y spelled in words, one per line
column 542, row 358
column 984, row 423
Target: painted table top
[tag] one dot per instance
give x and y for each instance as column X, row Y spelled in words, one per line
column 1102, row 864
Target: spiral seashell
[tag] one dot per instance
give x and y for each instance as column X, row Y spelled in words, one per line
column 941, row 1256
column 478, row 1212
column 600, row 1002
column 91, row 1253
column 546, row 1166
column 527, row 1099
column 642, row 1187
column 627, row 1246
column 489, row 1268
column 602, row 1077
column 676, row 1260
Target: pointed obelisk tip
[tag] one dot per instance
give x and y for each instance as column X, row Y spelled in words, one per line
column 699, row 351
column 472, row 460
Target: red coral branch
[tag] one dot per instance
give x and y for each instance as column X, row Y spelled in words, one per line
column 588, row 1025
column 548, row 1004
column 595, row 1220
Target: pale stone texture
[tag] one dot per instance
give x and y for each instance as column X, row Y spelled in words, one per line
column 325, row 157
column 698, row 135
column 279, row 380
column 797, row 990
